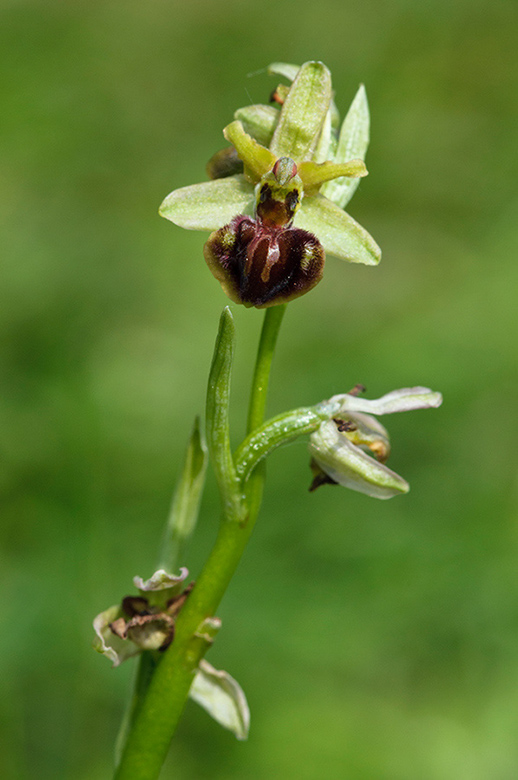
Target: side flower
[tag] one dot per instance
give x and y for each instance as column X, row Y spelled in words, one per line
column 147, row 622
column 273, row 223
column 351, row 448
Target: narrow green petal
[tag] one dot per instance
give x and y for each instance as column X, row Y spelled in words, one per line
column 259, row 121
column 314, row 174
column 352, row 143
column 339, row 233
column 210, row 205
column 303, row 113
column 257, row 159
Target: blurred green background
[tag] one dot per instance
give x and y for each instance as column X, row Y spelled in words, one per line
column 373, row 639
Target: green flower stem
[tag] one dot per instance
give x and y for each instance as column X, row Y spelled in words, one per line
column 271, row 325
column 155, row 723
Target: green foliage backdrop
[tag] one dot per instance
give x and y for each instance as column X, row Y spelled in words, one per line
column 373, row 639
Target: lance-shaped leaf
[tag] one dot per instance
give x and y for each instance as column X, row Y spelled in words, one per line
column 352, row 143
column 338, row 232
column 303, row 113
column 186, row 500
column 348, row 465
column 218, row 433
column 209, row 205
column 259, row 121
column 257, row 159
column 221, row 696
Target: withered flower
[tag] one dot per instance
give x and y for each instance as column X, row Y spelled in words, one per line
column 146, row 623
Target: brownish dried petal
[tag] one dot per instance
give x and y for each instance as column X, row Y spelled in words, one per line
column 135, row 605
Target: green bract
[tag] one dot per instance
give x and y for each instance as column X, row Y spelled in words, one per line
column 326, row 169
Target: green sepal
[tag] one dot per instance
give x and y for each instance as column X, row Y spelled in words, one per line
column 217, row 419
column 186, row 501
column 338, row 232
column 303, row 113
column 257, row 159
column 209, row 205
column 352, row 143
column 314, row 174
column 289, row 72
column 259, row 121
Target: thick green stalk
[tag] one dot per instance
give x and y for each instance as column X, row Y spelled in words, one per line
column 148, row 741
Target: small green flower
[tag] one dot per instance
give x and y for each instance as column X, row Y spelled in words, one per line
column 351, row 448
column 273, row 223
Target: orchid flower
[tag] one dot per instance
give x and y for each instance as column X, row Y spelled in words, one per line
column 351, row 448
column 273, row 223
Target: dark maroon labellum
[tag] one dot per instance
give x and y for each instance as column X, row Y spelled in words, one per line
column 262, row 264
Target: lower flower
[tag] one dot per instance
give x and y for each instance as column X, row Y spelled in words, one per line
column 146, row 623
column 350, row 449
